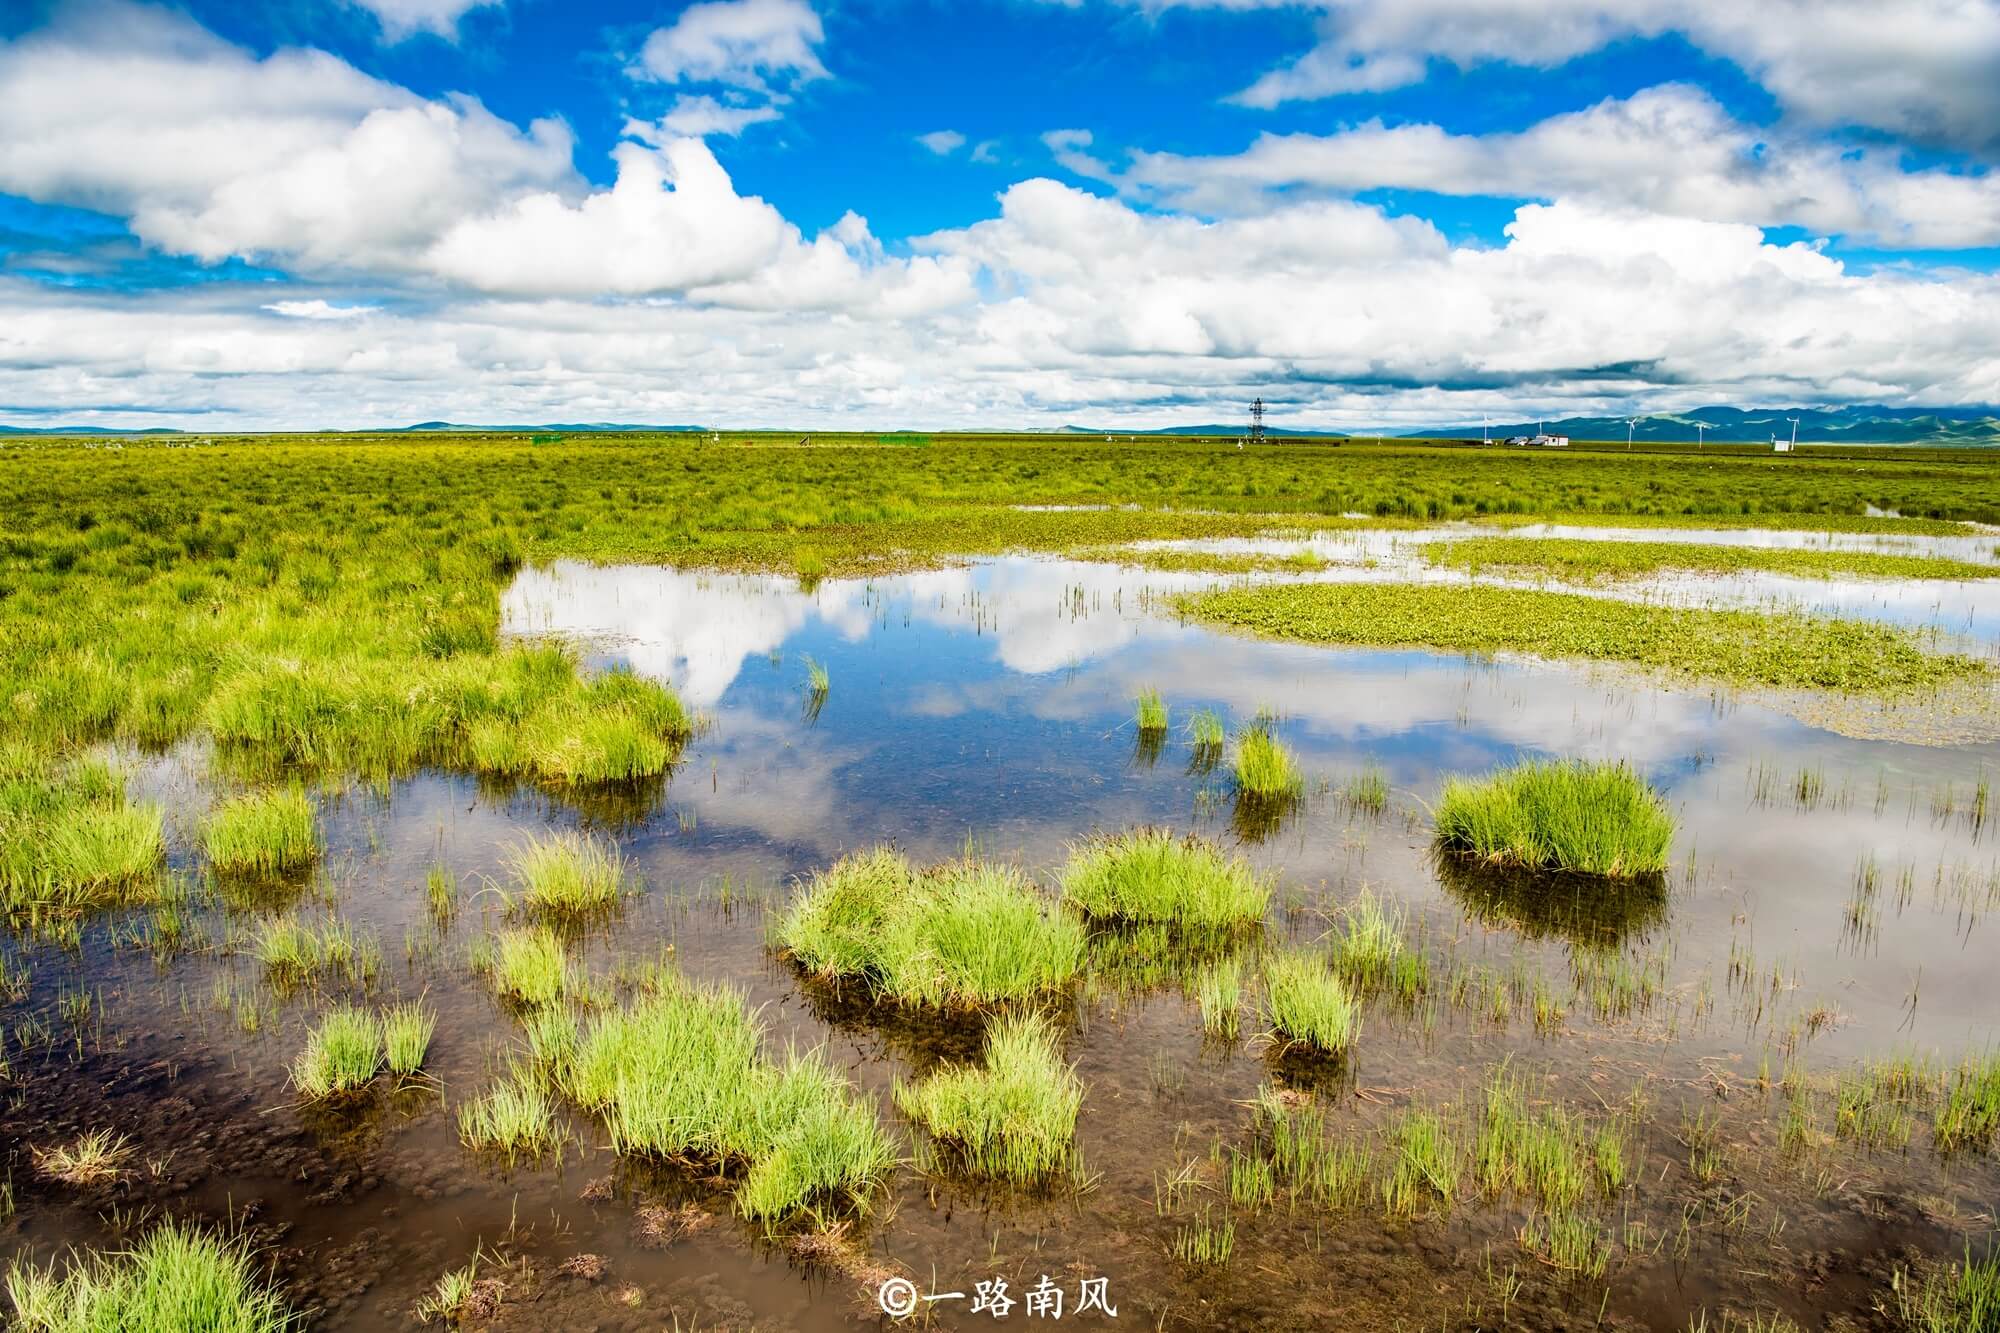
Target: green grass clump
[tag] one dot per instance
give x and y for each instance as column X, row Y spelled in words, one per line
column 1581, row 558
column 529, row 966
column 262, row 833
column 294, row 950
column 1600, row 819
column 1149, row 875
column 1305, row 1003
column 1151, row 712
column 341, row 1055
column 567, row 874
column 1265, row 769
column 1367, row 790
column 1218, row 990
column 517, row 1117
column 1013, row 1117
column 1968, row 1116
column 1546, row 1155
column 678, row 1074
column 1952, row 1298
column 1781, row 650
column 69, row 841
column 1205, row 730
column 178, row 1279
column 406, row 1036
column 1426, row 1163
column 959, row 934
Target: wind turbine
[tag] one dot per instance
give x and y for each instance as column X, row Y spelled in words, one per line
column 1700, row 433
column 1485, row 429
column 1795, row 433
column 1631, row 425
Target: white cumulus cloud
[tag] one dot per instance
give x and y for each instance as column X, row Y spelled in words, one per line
column 405, row 18
column 745, row 43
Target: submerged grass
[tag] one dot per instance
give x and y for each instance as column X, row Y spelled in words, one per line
column 1014, row 1116
column 1782, row 650
column 1580, row 558
column 963, row 933
column 262, row 833
column 178, row 1279
column 1150, row 875
column 1599, row 819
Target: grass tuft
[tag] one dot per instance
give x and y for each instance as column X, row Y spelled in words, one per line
column 1013, row 1117
column 1265, row 769
column 1151, row 712
column 1597, row 818
column 567, row 874
column 1308, row 1005
column 1149, row 875
column 179, row 1279
column 96, row 1158
column 960, row 934
column 517, row 1118
column 262, row 833
column 406, row 1036
column 530, row 967
column 341, row 1055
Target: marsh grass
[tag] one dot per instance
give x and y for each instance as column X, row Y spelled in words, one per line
column 177, row 1279
column 262, row 833
column 1218, row 990
column 295, row 950
column 96, row 1158
column 70, row 843
column 1266, row 772
column 1548, row 1155
column 566, row 875
column 960, row 934
column 529, row 966
column 1968, row 1116
column 1369, row 952
column 1150, row 712
column 1426, row 1164
column 406, row 1037
column 1776, row 649
column 1311, row 1167
column 1012, row 1117
column 1584, row 559
column 1149, row 875
column 678, row 1074
column 1307, row 1005
column 1950, row 1298
column 1205, row 1242
column 516, row 1118
column 1367, row 791
column 1594, row 818
column 341, row 1056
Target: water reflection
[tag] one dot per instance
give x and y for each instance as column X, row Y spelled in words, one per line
column 1586, row 910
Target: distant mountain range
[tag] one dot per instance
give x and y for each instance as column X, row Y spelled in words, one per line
column 1975, row 426
column 1968, row 426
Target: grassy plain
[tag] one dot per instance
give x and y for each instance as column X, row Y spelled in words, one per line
column 1580, row 559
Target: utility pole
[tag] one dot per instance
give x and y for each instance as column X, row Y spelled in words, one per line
column 1257, row 422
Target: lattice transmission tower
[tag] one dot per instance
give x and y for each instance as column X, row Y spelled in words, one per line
column 1257, row 422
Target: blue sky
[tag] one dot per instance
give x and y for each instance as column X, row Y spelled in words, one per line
column 1375, row 213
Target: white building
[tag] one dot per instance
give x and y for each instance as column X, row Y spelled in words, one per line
column 1551, row 441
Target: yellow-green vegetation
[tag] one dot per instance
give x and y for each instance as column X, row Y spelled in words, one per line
column 177, row 1279
column 1205, row 731
column 1218, row 990
column 69, row 840
column 1369, row 952
column 1150, row 875
column 262, row 833
column 1425, row 1163
column 528, row 966
column 1968, row 1114
column 1265, row 769
column 517, row 1117
column 1584, row 560
column 1012, row 1117
column 1783, row 650
column 1305, row 1162
column 1151, row 712
column 679, row 1074
column 567, row 874
column 959, row 934
column 342, row 1055
column 1950, row 1298
column 1307, row 1005
column 296, row 950
column 1595, row 818
column 1547, row 1155
column 406, row 1036
column 96, row 1158
column 1170, row 561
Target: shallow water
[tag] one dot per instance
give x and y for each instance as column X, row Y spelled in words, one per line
column 991, row 705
